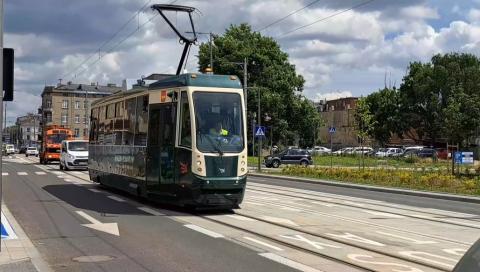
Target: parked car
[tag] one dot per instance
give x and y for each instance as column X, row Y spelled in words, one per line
column 388, row 152
column 410, row 153
column 74, row 154
column 289, row 156
column 361, row 150
column 427, row 153
column 23, row 149
column 443, row 153
column 31, row 151
column 343, row 151
column 320, row 150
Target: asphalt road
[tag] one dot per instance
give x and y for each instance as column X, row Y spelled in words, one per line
column 416, row 201
column 47, row 207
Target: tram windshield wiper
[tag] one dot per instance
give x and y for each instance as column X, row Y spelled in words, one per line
column 215, row 146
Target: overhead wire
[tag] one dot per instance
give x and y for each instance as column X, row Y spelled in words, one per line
column 286, row 16
column 325, row 18
column 73, row 74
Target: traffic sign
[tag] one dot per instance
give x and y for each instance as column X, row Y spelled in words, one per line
column 260, row 131
column 332, row 130
column 464, row 157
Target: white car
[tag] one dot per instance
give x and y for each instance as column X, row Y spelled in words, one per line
column 74, row 154
column 388, row 152
column 362, row 150
column 9, row 149
column 343, row 151
column 31, row 151
column 320, row 150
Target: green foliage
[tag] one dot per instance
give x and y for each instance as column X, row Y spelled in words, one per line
column 274, row 78
column 420, row 180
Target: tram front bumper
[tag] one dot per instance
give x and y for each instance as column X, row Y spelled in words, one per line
column 224, row 191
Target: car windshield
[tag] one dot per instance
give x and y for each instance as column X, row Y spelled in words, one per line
column 78, row 146
column 382, row 149
column 32, row 148
column 56, row 138
column 218, row 117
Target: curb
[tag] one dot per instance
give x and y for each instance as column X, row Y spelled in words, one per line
column 444, row 196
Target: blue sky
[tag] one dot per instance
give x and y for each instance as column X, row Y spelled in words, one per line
column 349, row 54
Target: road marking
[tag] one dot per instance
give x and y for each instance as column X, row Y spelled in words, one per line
column 455, row 251
column 323, row 204
column 353, row 203
column 353, row 237
column 22, row 173
column 40, row 173
column 253, row 203
column 4, row 174
column 288, row 262
column 239, row 217
column 95, row 191
column 111, row 228
column 150, row 211
column 263, row 243
column 315, row 244
column 116, row 198
column 204, row 231
column 415, row 241
column 415, row 255
column 361, row 259
column 279, row 220
column 383, row 214
column 290, row 209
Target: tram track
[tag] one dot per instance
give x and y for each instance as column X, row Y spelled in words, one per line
column 269, row 190
column 316, row 253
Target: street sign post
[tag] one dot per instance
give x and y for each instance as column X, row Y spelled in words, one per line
column 332, row 130
column 464, row 157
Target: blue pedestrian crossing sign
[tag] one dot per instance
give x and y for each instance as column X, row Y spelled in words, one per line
column 332, row 130
column 260, row 131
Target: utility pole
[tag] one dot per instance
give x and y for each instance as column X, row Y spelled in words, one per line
column 1, row 99
column 245, row 77
column 259, row 138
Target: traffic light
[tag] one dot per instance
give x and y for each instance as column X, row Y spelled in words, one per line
column 8, row 74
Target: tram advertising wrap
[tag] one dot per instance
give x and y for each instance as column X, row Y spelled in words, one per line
column 181, row 140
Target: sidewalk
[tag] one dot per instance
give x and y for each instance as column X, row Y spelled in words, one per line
column 17, row 251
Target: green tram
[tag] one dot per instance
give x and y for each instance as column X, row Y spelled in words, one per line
column 181, row 140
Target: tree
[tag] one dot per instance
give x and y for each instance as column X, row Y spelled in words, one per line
column 436, row 98
column 273, row 76
column 364, row 119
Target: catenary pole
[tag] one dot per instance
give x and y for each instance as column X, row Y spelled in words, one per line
column 1, row 104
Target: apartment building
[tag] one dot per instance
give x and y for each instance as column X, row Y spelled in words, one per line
column 68, row 105
column 29, row 129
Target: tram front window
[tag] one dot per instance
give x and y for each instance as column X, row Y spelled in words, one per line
column 218, row 117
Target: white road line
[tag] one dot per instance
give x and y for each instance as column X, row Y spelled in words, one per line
column 4, row 174
column 22, row 173
column 116, row 198
column 204, row 231
column 391, row 215
column 40, row 173
column 95, row 191
column 353, row 203
column 262, row 243
column 254, row 203
column 279, row 259
column 150, row 211
column 239, row 217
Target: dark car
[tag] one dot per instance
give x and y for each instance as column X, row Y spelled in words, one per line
column 289, row 156
column 427, row 153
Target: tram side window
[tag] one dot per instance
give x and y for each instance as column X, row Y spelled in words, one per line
column 108, row 137
column 94, row 126
column 129, row 124
column 118, row 124
column 141, row 124
column 101, row 125
column 185, row 127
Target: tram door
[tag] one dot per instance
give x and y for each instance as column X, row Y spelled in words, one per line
column 160, row 148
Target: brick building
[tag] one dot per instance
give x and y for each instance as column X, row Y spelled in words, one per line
column 68, row 105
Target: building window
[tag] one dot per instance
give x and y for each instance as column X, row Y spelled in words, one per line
column 64, row 118
column 28, row 129
column 85, row 104
column 85, row 132
column 84, row 119
column 77, row 132
column 65, row 104
column 77, row 105
column 77, row 119
column 48, row 116
column 48, row 104
column 28, row 137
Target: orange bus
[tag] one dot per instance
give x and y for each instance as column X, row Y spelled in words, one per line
column 52, row 143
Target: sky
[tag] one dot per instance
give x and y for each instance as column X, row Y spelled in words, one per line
column 340, row 51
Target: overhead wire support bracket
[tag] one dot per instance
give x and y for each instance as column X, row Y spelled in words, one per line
column 188, row 42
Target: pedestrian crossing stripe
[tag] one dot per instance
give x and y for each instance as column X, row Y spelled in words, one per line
column 4, row 174
column 260, row 132
column 22, row 173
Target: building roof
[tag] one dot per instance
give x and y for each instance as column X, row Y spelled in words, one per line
column 199, row 80
column 82, row 89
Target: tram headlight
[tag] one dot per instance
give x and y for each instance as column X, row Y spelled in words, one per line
column 243, row 162
column 199, row 163
column 243, row 169
column 199, row 169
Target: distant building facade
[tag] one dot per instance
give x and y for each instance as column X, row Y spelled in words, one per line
column 68, row 105
column 340, row 114
column 29, row 129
